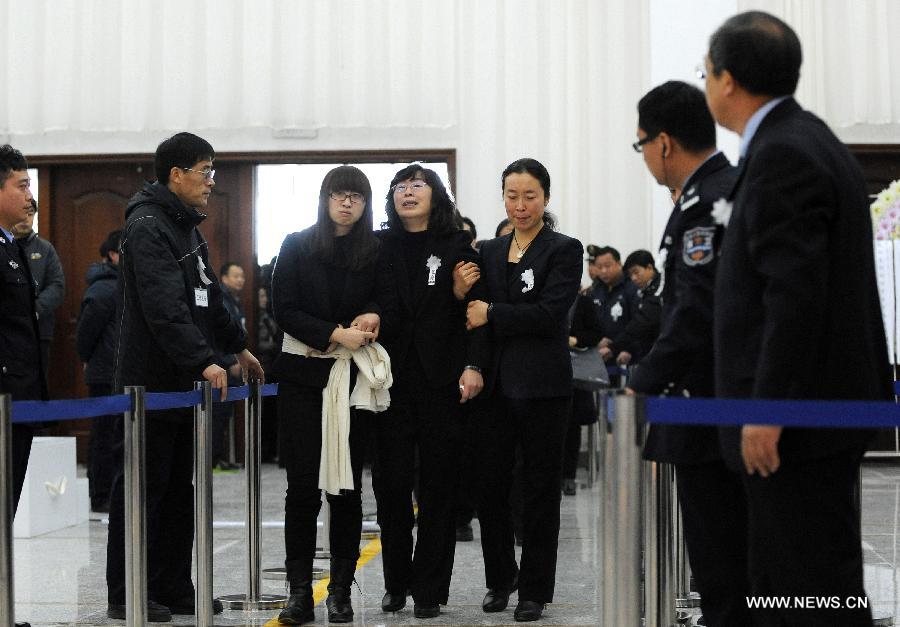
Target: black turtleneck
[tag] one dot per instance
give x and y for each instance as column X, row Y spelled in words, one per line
column 414, row 255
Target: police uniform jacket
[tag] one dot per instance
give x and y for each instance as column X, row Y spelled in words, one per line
column 20, row 354
column 528, row 322
column 430, row 330
column 172, row 313
column 797, row 314
column 617, row 305
column 302, row 304
column 681, row 361
column 639, row 334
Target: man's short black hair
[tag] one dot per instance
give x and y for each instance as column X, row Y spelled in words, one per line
column 180, row 151
column 500, row 226
column 472, row 230
column 607, row 250
column 760, row 51
column 10, row 160
column 681, row 111
column 642, row 258
column 227, row 266
column 111, row 243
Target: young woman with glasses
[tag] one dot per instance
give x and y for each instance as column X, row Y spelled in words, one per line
column 330, row 296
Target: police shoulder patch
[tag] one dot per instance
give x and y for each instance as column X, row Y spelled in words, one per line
column 697, row 248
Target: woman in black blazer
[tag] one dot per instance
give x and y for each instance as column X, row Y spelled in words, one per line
column 328, row 289
column 436, row 366
column 530, row 278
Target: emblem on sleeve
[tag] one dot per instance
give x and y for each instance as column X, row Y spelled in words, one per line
column 528, row 278
column 698, row 245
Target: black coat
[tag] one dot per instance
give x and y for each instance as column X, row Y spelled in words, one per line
column 616, row 306
column 47, row 271
column 797, row 314
column 529, row 319
column 642, row 329
column 165, row 339
column 431, row 321
column 95, row 336
column 301, row 305
column 21, row 371
column 681, row 361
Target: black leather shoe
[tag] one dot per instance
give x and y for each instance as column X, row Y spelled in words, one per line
column 393, row 602
column 297, row 610
column 568, row 487
column 426, row 610
column 188, row 607
column 156, row 613
column 528, row 611
column 23, row 624
column 497, row 599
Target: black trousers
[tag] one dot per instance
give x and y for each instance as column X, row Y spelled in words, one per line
column 22, row 435
column 430, row 421
column 714, row 511
column 539, row 426
column 805, row 541
column 101, row 452
column 300, row 413
column 169, row 450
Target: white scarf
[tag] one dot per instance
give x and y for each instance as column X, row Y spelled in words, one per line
column 370, row 394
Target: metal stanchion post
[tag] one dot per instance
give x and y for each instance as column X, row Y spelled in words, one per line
column 684, row 598
column 652, row 563
column 593, row 428
column 7, row 514
column 621, row 516
column 203, row 553
column 667, row 547
column 135, row 487
column 253, row 599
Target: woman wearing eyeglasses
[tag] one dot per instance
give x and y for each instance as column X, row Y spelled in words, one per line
column 330, row 298
column 530, row 278
column 436, row 368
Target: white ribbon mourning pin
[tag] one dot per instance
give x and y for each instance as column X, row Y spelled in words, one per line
column 528, row 278
column 201, row 268
column 433, row 263
column 721, row 212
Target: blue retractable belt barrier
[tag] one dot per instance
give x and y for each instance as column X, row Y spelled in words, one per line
column 897, row 387
column 42, row 411
column 725, row 412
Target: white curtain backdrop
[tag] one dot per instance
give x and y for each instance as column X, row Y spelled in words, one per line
column 851, row 59
column 495, row 79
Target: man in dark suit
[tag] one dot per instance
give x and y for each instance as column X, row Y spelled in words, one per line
column 795, row 280
column 677, row 137
column 21, row 373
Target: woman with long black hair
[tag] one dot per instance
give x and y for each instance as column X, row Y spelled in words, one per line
column 436, row 367
column 530, row 279
column 330, row 296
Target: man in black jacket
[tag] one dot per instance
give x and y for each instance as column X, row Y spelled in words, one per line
column 677, row 137
column 21, row 373
column 49, row 279
column 615, row 296
column 639, row 334
column 95, row 341
column 795, row 280
column 172, row 316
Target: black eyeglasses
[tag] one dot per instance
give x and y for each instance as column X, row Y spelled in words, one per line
column 355, row 197
column 639, row 144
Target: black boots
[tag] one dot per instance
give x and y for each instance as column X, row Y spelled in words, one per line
column 299, row 607
column 338, row 600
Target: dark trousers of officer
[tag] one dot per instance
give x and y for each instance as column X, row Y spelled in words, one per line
column 105, row 438
column 22, row 435
column 539, row 425
column 431, row 421
column 804, row 532
column 169, row 454
column 714, row 511
column 300, row 413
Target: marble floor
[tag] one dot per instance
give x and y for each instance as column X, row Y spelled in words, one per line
column 59, row 577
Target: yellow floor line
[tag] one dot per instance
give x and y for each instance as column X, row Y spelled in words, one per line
column 320, row 590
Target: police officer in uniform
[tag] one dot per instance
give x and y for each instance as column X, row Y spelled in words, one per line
column 616, row 298
column 21, row 370
column 677, row 136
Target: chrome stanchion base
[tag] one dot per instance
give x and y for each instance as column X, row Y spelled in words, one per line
column 690, row 601
column 323, row 555
column 883, row 621
column 265, row 602
column 370, row 529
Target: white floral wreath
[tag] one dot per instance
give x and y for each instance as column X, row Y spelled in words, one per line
column 886, row 212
